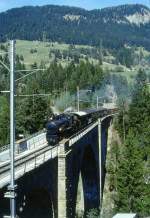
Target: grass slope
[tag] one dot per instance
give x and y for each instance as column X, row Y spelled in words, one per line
column 45, row 53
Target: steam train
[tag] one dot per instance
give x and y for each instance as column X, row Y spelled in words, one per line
column 66, row 124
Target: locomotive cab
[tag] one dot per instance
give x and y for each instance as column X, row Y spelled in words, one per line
column 58, row 128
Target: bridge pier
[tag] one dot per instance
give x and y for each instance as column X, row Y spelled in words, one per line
column 62, row 201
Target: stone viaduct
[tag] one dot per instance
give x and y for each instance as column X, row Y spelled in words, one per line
column 60, row 181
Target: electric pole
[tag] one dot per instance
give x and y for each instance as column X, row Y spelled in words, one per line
column 12, row 187
column 100, row 160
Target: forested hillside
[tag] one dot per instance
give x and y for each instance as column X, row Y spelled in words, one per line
column 114, row 27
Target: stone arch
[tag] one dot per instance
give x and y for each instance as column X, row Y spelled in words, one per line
column 36, row 204
column 76, row 162
column 90, row 179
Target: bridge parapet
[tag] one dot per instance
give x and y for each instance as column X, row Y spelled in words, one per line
column 73, row 139
column 23, row 145
column 82, row 133
column 26, row 162
column 31, row 142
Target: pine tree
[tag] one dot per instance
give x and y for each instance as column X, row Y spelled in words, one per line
column 32, row 114
column 139, row 111
column 4, row 121
column 131, row 185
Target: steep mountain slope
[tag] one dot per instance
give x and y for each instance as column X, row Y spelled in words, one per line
column 114, row 26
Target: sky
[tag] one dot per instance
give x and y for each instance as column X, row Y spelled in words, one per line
column 87, row 4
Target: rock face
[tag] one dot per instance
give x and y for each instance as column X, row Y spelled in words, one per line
column 139, row 18
column 114, row 26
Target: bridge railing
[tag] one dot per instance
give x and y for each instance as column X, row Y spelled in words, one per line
column 21, row 146
column 35, row 134
column 91, row 124
column 27, row 161
column 74, row 138
column 82, row 132
column 32, row 141
column 36, row 141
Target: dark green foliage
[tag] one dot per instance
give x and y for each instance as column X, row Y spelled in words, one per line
column 76, row 26
column 85, row 75
column 19, row 65
column 125, row 57
column 34, row 65
column 3, row 47
column 133, row 116
column 57, row 79
column 32, row 114
column 139, row 108
column 140, row 81
column 130, row 181
column 4, row 100
column 93, row 213
column 123, row 118
column 32, row 51
column 21, row 58
column 133, row 165
column 4, row 121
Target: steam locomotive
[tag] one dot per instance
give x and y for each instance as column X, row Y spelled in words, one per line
column 66, row 124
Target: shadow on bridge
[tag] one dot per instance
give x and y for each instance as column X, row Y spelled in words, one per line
column 90, row 179
column 36, row 204
column 83, row 173
column 4, row 203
